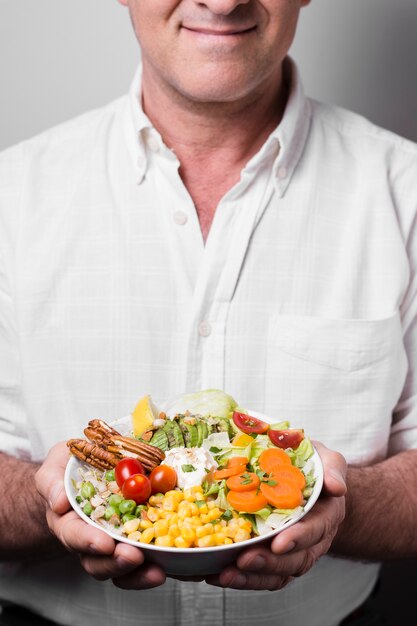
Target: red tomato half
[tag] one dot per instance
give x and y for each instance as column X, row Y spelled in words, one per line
column 163, row 478
column 138, row 488
column 286, row 438
column 125, row 468
column 249, row 424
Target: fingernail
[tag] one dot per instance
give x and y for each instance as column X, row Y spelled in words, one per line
column 290, row 547
column 93, row 548
column 55, row 493
column 257, row 563
column 238, row 581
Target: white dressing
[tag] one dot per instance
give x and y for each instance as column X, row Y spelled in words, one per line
column 191, row 465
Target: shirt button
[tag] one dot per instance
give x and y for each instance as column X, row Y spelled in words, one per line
column 282, row 172
column 153, row 144
column 180, row 218
column 204, row 329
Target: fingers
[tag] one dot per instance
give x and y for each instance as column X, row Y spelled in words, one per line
column 320, row 524
column 49, row 479
column 77, row 536
column 335, row 469
column 234, row 578
column 144, row 577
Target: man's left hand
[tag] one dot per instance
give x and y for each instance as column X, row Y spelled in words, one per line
column 295, row 550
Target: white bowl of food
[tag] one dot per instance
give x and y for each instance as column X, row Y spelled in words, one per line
column 221, row 484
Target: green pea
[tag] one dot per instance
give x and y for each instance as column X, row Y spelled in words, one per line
column 87, row 508
column 127, row 506
column 87, row 490
column 109, row 476
column 128, row 517
column 115, row 499
column 109, row 512
column 79, row 499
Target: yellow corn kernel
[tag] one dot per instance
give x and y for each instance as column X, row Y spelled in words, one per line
column 131, row 526
column 198, row 490
column 184, row 511
column 202, row 508
column 155, row 500
column 244, row 523
column 160, row 528
column 233, row 523
column 218, row 528
column 147, row 535
column 135, row 536
column 173, row 519
column 194, row 510
column 219, row 538
column 174, row 531
column 188, row 533
column 202, row 531
column 189, row 495
column 204, row 518
column 153, row 514
column 215, row 513
column 170, row 504
column 180, row 542
column 227, row 541
column 144, row 524
column 241, row 535
column 165, row 540
column 211, row 504
column 230, row 532
column 206, row 541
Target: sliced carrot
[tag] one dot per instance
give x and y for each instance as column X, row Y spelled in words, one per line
column 289, row 473
column 243, row 482
column 229, row 471
column 237, row 460
column 271, row 457
column 282, row 495
column 247, row 501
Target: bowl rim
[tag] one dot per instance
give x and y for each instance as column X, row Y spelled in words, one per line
column 74, row 463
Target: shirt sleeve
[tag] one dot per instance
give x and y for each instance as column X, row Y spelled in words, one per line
column 14, row 438
column 404, row 422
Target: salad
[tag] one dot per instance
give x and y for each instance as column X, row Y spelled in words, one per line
column 198, row 472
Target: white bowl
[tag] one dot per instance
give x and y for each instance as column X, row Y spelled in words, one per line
column 190, row 561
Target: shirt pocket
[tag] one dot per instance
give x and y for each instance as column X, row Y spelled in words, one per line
column 338, row 378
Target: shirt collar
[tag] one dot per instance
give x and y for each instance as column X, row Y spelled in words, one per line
column 282, row 149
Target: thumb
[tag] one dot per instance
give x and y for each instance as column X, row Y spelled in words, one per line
column 49, row 479
column 335, row 470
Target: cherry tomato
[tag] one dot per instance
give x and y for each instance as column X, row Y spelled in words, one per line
column 163, row 478
column 138, row 488
column 286, row 438
column 125, row 468
column 249, row 424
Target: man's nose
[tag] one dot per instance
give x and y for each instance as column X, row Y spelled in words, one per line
column 223, row 7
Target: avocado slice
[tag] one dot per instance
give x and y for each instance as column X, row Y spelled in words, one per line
column 160, row 440
column 190, row 434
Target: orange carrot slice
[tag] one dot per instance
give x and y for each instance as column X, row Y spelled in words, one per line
column 248, row 481
column 237, row 460
column 282, row 495
column 229, row 471
column 247, row 501
column 272, row 457
column 289, row 474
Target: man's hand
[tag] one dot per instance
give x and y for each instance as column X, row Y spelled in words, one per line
column 295, row 550
column 99, row 554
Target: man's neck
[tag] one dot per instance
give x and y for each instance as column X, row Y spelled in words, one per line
column 213, row 141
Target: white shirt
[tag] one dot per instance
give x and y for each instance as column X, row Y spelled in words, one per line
column 302, row 304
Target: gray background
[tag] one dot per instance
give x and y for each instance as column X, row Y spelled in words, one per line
column 59, row 58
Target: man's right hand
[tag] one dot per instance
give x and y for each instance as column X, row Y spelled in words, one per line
column 100, row 555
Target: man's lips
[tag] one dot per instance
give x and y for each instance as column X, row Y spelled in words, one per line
column 214, row 32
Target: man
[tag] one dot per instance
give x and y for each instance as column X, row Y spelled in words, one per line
column 216, row 228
